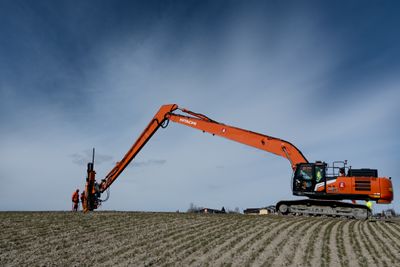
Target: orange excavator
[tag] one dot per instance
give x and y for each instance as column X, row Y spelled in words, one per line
column 323, row 185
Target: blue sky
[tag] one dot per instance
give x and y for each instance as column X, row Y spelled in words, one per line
column 83, row 74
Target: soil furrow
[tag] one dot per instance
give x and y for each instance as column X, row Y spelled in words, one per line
column 310, row 247
column 267, row 247
column 285, row 251
column 393, row 233
column 160, row 252
column 333, row 245
column 206, row 242
column 301, row 246
column 245, row 251
column 219, row 244
column 351, row 245
column 383, row 247
column 389, row 235
column 159, row 241
column 141, row 239
column 232, row 248
column 341, row 244
column 321, row 251
column 360, row 247
column 370, row 245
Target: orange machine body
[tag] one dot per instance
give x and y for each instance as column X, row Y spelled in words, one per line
column 320, row 181
column 378, row 189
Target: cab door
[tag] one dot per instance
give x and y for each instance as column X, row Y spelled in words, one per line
column 320, row 178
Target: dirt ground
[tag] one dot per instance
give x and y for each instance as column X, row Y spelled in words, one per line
column 159, row 239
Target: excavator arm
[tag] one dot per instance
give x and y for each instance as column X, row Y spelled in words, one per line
column 198, row 121
column 158, row 121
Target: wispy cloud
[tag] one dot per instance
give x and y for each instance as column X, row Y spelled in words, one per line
column 148, row 163
column 86, row 156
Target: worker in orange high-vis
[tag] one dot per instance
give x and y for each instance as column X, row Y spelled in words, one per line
column 83, row 201
column 75, row 200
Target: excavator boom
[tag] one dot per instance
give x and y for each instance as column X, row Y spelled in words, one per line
column 201, row 122
column 264, row 142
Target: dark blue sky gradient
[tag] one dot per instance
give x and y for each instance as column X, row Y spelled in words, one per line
column 38, row 35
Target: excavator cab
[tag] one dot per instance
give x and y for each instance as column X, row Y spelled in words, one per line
column 308, row 178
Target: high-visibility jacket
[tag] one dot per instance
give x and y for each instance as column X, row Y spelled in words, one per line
column 369, row 204
column 75, row 197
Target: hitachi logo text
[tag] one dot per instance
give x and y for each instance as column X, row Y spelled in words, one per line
column 188, row 121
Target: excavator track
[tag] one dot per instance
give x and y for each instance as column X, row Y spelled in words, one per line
column 329, row 208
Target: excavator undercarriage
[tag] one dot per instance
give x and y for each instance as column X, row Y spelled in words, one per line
column 328, row 208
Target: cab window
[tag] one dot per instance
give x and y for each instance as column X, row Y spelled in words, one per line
column 306, row 174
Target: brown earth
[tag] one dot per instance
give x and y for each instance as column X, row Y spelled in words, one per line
column 159, row 239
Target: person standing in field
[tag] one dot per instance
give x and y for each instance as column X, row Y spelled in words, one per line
column 369, row 205
column 83, row 198
column 75, row 200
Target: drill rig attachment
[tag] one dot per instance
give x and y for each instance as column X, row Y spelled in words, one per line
column 92, row 193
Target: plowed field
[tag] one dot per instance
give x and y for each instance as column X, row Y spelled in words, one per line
column 138, row 239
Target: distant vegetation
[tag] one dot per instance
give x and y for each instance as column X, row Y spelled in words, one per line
column 196, row 209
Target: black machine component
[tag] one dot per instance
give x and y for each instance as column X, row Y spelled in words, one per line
column 363, row 172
